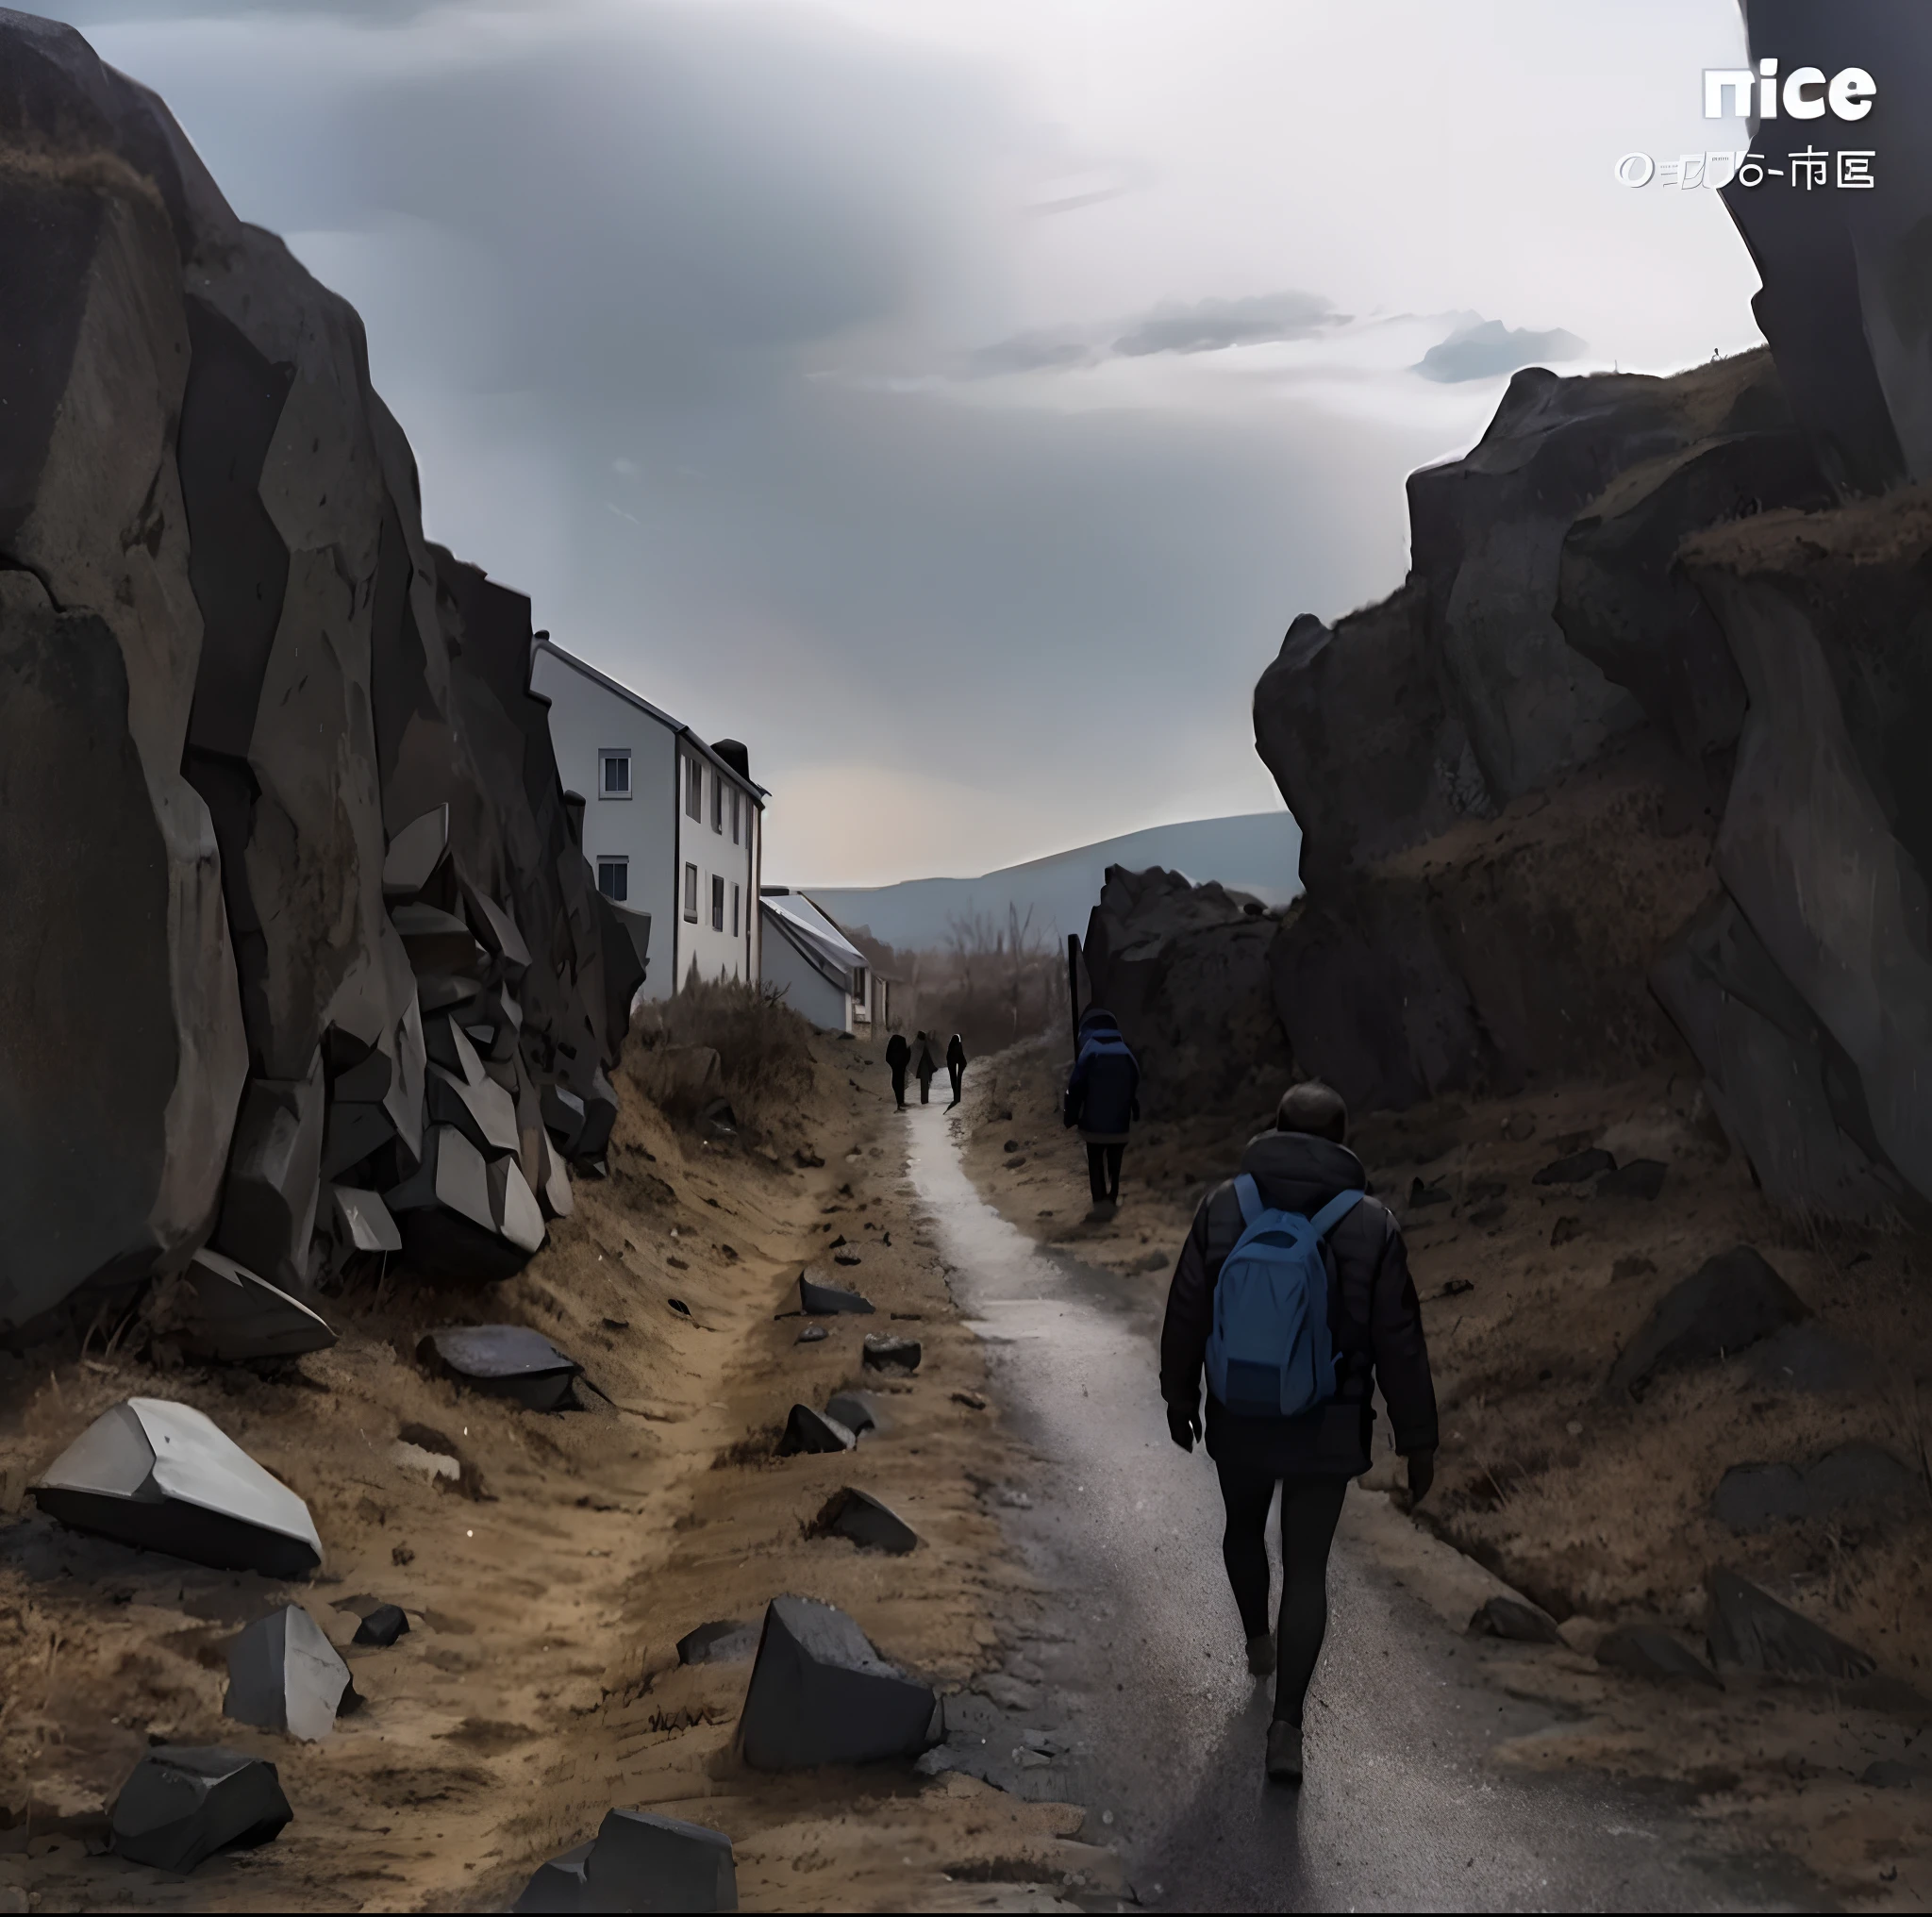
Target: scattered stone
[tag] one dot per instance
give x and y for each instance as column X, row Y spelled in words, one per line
column 1511, row 1618
column 845, row 1256
column 1012, row 1144
column 812, row 1334
column 1887, row 1773
column 1565, row 1230
column 1421, row 1193
column 858, row 1411
column 183, row 1803
column 723, row 1643
column 382, row 1626
column 869, row 1524
column 818, row 1300
column 415, row 855
column 1521, row 1127
column 360, row 1222
column 1807, row 1358
column 1454, row 1288
column 637, row 1862
column 1640, row 1178
column 505, row 1361
column 820, row 1694
column 1753, row 1497
column 892, row 1354
column 1574, row 1169
column 1731, row 1302
column 1644, row 1651
column 284, row 1674
column 1751, row 1629
column 974, row 1400
column 231, row 1315
column 164, row 1477
column 1014, row 1163
column 809, row 1431
column 808, row 1158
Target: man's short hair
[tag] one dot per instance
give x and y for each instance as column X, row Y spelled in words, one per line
column 1313, row 1108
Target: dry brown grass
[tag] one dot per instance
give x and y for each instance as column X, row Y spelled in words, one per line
column 763, row 1048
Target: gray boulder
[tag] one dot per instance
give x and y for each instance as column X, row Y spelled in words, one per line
column 809, row 1431
column 164, row 1477
column 1511, row 1618
column 724, row 1641
column 1730, row 1303
column 866, row 1522
column 820, row 1300
column 505, row 1362
column 182, row 1804
column 232, row 1315
column 1751, row 1629
column 1644, row 1651
column 820, row 1694
column 381, row 1626
column 639, row 1861
column 858, row 1411
column 284, row 1674
column 1855, row 1477
column 900, row 1354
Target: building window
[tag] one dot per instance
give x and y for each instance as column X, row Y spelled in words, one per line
column 859, row 988
column 734, row 911
column 694, row 788
column 691, row 893
column 613, row 773
column 717, row 803
column 737, row 803
column 717, row 905
column 613, row 878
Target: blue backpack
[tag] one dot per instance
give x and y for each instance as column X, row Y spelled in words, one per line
column 1269, row 1354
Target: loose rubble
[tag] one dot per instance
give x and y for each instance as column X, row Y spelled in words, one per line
column 285, row 1674
column 183, row 1804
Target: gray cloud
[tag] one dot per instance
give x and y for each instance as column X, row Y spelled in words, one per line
column 1488, row 348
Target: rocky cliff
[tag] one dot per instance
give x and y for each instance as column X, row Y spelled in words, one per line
column 299, row 952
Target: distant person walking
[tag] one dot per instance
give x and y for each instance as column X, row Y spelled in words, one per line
column 956, row 1065
column 1294, row 1290
column 1103, row 1099
column 899, row 1056
column 924, row 1068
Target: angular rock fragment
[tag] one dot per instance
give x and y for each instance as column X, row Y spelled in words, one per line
column 846, row 1257
column 505, row 1362
column 1753, row 1497
column 809, row 1431
column 639, row 1861
column 1640, row 1178
column 869, row 1524
column 553, row 1186
column 820, row 1300
column 1646, row 1652
column 414, row 854
column 892, row 1354
column 439, row 941
column 513, row 1205
column 164, row 1477
column 858, row 1411
column 1807, row 1358
column 446, row 1217
column 274, row 1178
column 1731, row 1302
column 1575, row 1168
column 361, row 1222
column 233, row 1315
column 381, row 1623
column 812, row 1334
column 820, row 1694
column 498, row 930
column 563, row 1117
column 600, row 1114
column 723, row 1643
column 183, row 1803
column 284, row 1674
column 1752, row 1630
column 353, row 1132
column 1510, row 1617
column 448, row 1045
column 1887, row 1773
column 484, row 1112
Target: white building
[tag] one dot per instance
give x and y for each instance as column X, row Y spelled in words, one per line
column 673, row 827
column 823, row 975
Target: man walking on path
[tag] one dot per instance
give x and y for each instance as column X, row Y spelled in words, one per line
column 956, row 1065
column 1104, row 1100
column 924, row 1068
column 1373, row 1335
column 899, row 1056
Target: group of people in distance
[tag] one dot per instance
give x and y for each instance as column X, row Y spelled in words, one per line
column 919, row 1058
column 1293, row 1294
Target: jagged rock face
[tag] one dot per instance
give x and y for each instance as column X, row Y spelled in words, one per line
column 1844, row 269
column 232, row 669
column 1184, row 968
column 1827, row 833
column 1353, row 724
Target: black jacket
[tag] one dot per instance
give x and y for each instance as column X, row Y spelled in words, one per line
column 1373, row 1317
column 1103, row 1095
column 955, row 1054
column 897, row 1053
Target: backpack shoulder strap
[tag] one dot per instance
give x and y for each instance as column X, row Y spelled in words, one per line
column 1248, row 1194
column 1337, row 1208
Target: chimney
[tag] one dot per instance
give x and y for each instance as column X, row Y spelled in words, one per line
column 735, row 755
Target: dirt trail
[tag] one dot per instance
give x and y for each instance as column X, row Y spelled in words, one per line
column 548, row 1587
column 1598, row 1508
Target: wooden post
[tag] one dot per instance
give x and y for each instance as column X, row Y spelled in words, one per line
column 1073, row 987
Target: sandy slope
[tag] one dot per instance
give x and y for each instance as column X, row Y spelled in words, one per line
column 547, row 1591
column 1596, row 1507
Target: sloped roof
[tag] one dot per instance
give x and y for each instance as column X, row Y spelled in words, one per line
column 814, row 936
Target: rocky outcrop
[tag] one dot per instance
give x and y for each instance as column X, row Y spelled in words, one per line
column 1184, row 968
column 233, row 676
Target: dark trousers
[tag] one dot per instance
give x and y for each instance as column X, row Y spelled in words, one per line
column 957, row 1073
column 1311, row 1507
column 1103, row 1171
column 925, row 1088
column 899, row 1088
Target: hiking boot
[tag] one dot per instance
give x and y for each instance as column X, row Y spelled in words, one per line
column 1284, row 1752
column 1261, row 1654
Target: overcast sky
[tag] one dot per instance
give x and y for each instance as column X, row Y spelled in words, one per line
column 957, row 399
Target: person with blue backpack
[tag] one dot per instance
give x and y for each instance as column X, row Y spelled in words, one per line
column 1103, row 1098
column 1292, row 1293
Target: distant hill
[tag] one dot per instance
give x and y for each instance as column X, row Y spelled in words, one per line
column 1257, row 852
